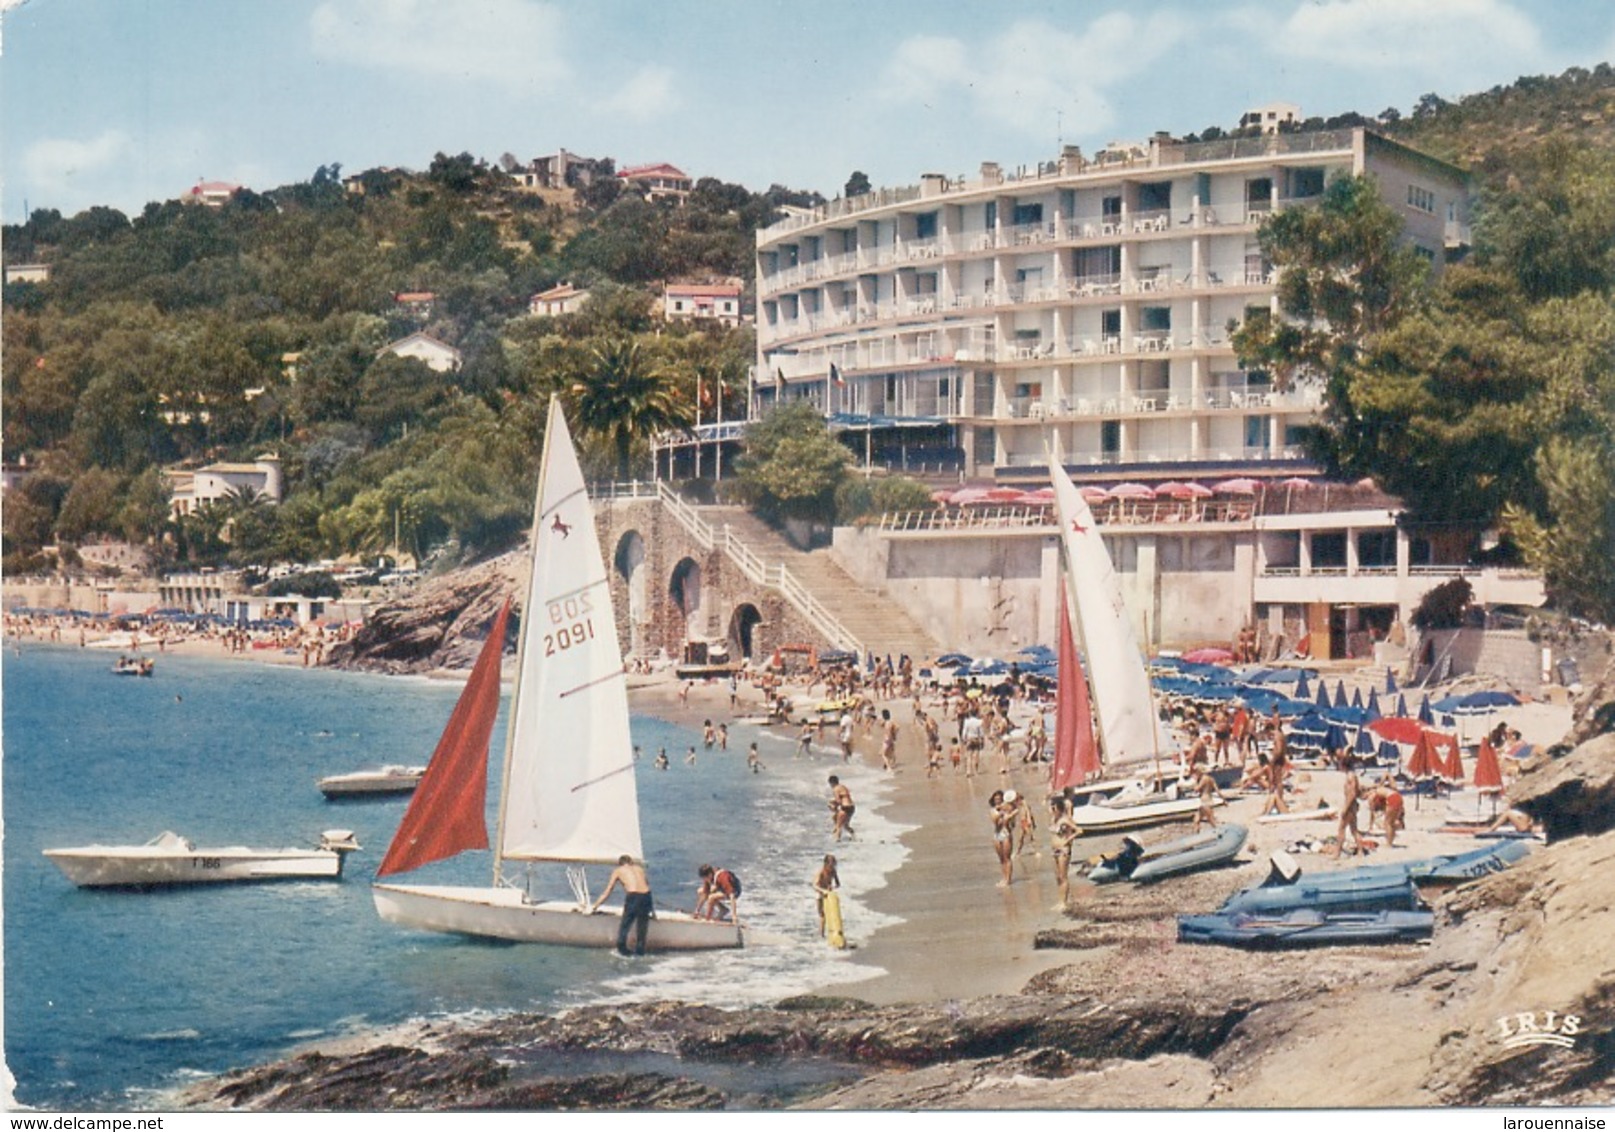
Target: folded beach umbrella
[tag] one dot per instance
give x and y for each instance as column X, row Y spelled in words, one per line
column 1340, row 694
column 1390, row 681
column 1401, row 705
column 1488, row 773
column 1425, row 715
column 1373, row 703
column 1357, row 697
column 1302, row 692
column 1323, row 695
column 1421, row 764
column 1365, row 742
column 1450, row 763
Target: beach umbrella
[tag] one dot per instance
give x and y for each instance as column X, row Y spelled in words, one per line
column 1093, row 494
column 1483, row 703
column 1357, row 697
column 1041, row 495
column 1176, row 490
column 1390, row 681
column 1004, row 495
column 1401, row 705
column 1488, row 772
column 1302, row 692
column 953, row 660
column 1425, row 716
column 1340, row 694
column 1421, row 764
column 1208, row 656
column 1131, row 491
column 1240, row 485
column 1388, row 752
column 967, row 495
column 1335, row 738
column 1348, row 716
column 1449, row 762
column 1323, row 695
column 1397, row 729
column 1373, row 704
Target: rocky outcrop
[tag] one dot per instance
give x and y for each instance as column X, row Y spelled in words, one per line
column 1573, row 795
column 441, row 625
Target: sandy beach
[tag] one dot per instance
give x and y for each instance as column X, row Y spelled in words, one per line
column 959, row 936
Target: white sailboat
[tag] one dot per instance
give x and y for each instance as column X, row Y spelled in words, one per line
column 390, row 779
column 568, row 794
column 1130, row 732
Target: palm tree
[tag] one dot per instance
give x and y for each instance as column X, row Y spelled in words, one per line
column 626, row 397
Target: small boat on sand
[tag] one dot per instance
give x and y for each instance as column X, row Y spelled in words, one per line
column 1305, row 927
column 1143, row 864
column 169, row 859
column 1135, row 810
column 1375, row 889
column 386, row 780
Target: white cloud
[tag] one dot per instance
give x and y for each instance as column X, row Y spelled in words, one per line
column 1032, row 71
column 1450, row 41
column 514, row 43
column 62, row 167
column 650, row 93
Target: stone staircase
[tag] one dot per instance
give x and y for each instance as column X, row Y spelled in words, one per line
column 877, row 623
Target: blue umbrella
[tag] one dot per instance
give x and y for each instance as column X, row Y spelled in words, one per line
column 1389, row 752
column 1401, row 705
column 1340, row 694
column 1302, row 692
column 1390, row 681
column 1348, row 716
column 1335, row 738
column 1365, row 741
column 1425, row 716
column 1323, row 695
column 1356, row 697
column 1480, row 703
column 953, row 659
column 1310, row 726
column 1373, row 703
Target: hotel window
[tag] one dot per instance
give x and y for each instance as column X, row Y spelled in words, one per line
column 1028, row 214
column 1110, row 439
column 925, row 226
column 991, row 215
column 1421, row 199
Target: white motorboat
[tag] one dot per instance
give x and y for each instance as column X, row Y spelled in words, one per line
column 170, row 859
column 568, row 796
column 368, row 783
column 1136, row 808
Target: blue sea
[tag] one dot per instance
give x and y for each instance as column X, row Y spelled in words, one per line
column 115, row 999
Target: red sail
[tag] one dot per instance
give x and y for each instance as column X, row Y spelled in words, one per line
column 1076, row 757
column 448, row 813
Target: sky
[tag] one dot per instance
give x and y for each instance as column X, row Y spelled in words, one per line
column 121, row 102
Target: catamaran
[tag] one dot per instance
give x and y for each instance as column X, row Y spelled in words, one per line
column 1130, row 732
column 568, row 796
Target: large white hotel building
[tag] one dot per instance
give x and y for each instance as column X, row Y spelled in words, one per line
column 1080, row 311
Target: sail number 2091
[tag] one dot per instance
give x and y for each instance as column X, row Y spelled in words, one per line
column 571, row 624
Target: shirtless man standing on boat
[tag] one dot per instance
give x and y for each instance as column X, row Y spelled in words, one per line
column 636, row 904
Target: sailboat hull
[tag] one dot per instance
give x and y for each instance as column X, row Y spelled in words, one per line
column 504, row 913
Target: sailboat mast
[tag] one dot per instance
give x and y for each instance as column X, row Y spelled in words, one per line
column 521, row 645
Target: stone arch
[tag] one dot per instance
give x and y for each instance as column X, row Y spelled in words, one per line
column 743, row 624
column 629, row 560
column 685, row 590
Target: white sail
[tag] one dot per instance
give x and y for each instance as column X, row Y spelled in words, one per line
column 569, row 771
column 1129, row 728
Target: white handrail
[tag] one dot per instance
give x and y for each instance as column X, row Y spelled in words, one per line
column 776, row 577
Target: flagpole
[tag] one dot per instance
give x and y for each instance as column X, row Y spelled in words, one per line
column 697, row 424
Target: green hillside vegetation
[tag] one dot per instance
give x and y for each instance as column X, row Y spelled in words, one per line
column 191, row 334
column 1487, row 399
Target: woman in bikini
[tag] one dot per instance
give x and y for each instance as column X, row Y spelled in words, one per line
column 1001, row 808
